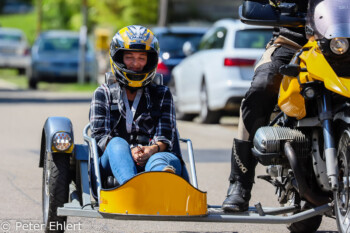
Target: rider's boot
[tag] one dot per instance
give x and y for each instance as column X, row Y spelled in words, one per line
column 241, row 178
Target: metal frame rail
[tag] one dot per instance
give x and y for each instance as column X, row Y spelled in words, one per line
column 257, row 214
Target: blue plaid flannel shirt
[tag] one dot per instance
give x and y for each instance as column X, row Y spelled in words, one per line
column 100, row 117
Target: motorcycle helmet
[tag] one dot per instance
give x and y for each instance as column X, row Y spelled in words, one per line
column 139, row 39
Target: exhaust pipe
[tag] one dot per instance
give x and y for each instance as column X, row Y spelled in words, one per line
column 305, row 191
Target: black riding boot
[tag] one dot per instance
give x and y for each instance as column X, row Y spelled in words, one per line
column 241, row 178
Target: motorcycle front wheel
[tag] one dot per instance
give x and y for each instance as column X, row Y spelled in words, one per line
column 341, row 197
column 306, row 225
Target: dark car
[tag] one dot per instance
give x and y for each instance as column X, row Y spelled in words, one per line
column 15, row 7
column 55, row 58
column 171, row 41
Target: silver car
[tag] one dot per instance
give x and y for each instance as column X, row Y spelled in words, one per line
column 212, row 81
column 14, row 50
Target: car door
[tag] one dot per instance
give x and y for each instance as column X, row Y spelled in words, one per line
column 195, row 67
column 212, row 61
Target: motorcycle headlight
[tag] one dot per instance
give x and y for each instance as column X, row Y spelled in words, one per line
column 62, row 141
column 339, row 45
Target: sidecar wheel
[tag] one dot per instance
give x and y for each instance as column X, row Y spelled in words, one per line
column 341, row 197
column 55, row 190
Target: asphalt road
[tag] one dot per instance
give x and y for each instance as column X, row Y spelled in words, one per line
column 22, row 115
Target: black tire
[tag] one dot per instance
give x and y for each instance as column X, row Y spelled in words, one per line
column 33, row 83
column 342, row 196
column 184, row 117
column 307, row 225
column 21, row 71
column 55, row 190
column 179, row 115
column 207, row 116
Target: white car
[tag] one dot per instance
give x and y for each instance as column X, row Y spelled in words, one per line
column 14, row 50
column 213, row 80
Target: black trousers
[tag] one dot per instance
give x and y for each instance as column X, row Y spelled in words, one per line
column 261, row 98
column 257, row 106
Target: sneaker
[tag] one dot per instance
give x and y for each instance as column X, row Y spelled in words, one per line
column 169, row 169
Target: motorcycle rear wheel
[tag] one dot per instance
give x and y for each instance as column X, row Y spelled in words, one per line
column 341, row 197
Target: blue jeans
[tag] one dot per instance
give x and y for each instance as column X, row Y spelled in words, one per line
column 117, row 161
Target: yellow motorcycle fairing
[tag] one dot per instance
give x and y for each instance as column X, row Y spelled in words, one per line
column 154, row 193
column 290, row 100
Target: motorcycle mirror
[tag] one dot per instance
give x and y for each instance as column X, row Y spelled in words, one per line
column 263, row 14
column 291, row 70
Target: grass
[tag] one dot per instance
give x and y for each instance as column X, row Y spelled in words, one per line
column 21, row 81
column 68, row 87
column 11, row 76
column 26, row 22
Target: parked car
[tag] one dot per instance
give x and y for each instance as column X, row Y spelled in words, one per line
column 15, row 7
column 214, row 79
column 55, row 58
column 14, row 50
column 171, row 41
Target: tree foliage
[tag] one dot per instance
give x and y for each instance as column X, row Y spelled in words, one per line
column 67, row 14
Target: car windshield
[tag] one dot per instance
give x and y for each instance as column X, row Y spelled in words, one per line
column 59, row 45
column 172, row 43
column 10, row 37
column 252, row 38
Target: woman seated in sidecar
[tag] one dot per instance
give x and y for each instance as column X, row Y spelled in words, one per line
column 132, row 119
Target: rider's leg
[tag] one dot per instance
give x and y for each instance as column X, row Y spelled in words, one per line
column 117, row 160
column 242, row 172
column 255, row 112
column 160, row 160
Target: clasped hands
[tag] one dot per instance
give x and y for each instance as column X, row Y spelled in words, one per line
column 141, row 154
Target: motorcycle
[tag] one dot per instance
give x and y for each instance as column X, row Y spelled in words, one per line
column 306, row 147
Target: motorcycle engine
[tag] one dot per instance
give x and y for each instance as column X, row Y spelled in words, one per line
column 269, row 144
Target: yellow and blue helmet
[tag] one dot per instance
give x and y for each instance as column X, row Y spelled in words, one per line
column 139, row 39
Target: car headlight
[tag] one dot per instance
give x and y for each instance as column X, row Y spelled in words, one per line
column 62, row 141
column 339, row 45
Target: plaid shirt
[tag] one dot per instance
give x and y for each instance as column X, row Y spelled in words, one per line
column 101, row 121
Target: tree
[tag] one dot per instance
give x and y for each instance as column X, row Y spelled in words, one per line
column 66, row 14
